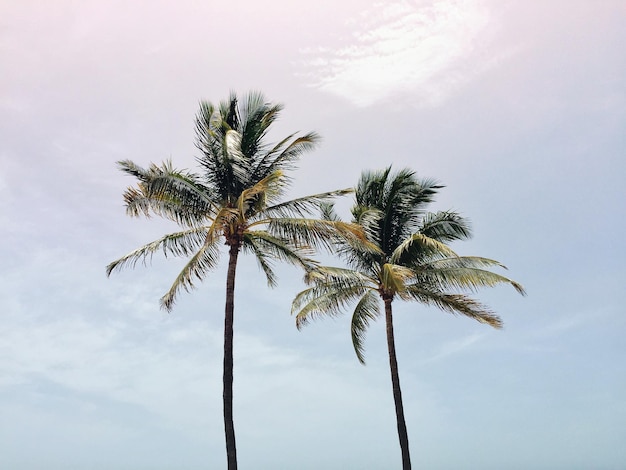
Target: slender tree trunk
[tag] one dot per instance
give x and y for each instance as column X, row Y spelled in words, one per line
column 397, row 394
column 229, row 427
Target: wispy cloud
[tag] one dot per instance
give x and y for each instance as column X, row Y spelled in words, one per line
column 456, row 346
column 425, row 49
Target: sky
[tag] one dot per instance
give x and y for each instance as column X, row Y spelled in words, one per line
column 518, row 108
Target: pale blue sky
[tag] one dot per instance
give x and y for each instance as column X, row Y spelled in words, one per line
column 519, row 109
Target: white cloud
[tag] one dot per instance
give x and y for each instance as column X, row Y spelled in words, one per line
column 425, row 50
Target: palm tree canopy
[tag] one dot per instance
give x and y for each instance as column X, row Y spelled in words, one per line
column 413, row 262
column 234, row 199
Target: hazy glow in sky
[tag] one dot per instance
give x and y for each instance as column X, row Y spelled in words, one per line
column 518, row 107
column 419, row 49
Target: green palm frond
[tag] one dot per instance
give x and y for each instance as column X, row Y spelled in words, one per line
column 445, row 226
column 317, row 301
column 455, row 303
column 418, row 246
column 463, row 273
column 465, row 279
column 371, row 220
column 268, row 249
column 327, row 210
column 291, row 153
column 264, row 261
column 315, row 233
column 139, row 203
column 459, row 262
column 331, row 277
column 283, row 155
column 256, row 116
column 203, row 261
column 366, row 311
column 264, row 165
column 176, row 244
column 169, row 193
column 303, row 206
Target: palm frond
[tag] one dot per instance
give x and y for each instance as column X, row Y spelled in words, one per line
column 262, row 258
column 418, row 246
column 366, row 311
column 253, row 199
column 203, row 261
column 332, row 277
column 393, row 278
column 455, row 303
column 445, row 226
column 371, row 220
column 327, row 211
column 318, row 301
column 176, row 244
column 257, row 115
column 468, row 279
column 303, row 206
column 267, row 248
column 316, row 233
column 464, row 273
column 285, row 152
column 173, row 194
column 300, row 145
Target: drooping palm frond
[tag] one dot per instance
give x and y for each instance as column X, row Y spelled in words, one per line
column 263, row 259
column 268, row 249
column 332, row 289
column 455, row 303
column 463, row 275
column 203, row 261
column 317, row 301
column 367, row 310
column 175, row 244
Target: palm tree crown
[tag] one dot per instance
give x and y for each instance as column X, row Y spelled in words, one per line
column 413, row 262
column 234, row 200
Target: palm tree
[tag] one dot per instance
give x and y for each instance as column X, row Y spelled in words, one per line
column 234, row 200
column 413, row 263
